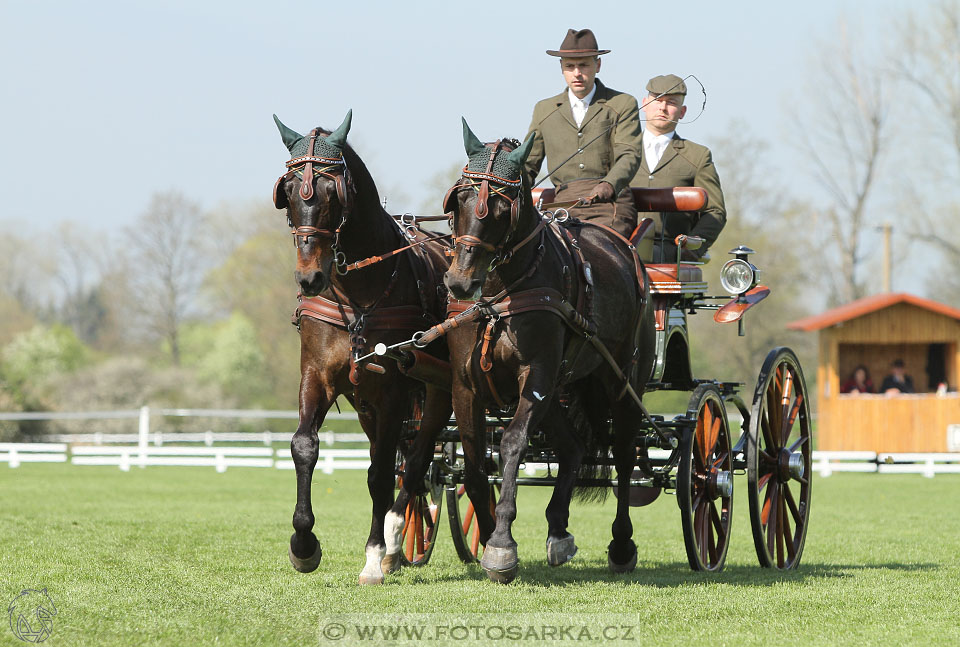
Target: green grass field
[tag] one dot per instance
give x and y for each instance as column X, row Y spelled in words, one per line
column 186, row 556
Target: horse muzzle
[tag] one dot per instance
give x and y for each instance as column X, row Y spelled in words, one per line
column 462, row 286
column 312, row 282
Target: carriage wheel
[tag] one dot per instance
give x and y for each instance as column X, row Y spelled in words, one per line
column 460, row 511
column 779, row 461
column 705, row 481
column 423, row 511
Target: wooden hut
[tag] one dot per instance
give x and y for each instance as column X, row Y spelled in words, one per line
column 873, row 332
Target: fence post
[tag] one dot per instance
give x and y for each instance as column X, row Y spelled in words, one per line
column 144, row 434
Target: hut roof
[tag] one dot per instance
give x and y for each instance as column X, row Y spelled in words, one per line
column 867, row 305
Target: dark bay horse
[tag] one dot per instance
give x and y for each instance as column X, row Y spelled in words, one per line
column 363, row 281
column 542, row 321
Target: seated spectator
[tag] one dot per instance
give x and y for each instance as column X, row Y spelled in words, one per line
column 858, row 382
column 898, row 381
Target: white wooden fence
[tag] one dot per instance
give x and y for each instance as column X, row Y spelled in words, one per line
column 152, row 448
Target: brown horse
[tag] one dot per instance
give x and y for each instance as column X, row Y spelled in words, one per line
column 363, row 282
column 543, row 320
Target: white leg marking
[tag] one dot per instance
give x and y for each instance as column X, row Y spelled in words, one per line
column 392, row 530
column 372, row 573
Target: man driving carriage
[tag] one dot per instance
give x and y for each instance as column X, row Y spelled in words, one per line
column 669, row 160
column 565, row 127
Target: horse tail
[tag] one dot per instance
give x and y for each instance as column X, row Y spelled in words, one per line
column 589, row 416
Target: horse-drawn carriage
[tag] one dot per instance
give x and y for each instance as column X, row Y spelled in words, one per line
column 554, row 329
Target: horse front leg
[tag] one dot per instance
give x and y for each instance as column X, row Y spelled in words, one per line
column 561, row 546
column 500, row 559
column 471, row 427
column 436, row 413
column 382, row 425
column 622, row 551
column 316, row 396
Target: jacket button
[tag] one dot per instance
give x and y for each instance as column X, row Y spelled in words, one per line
column 581, row 166
column 579, row 134
column 650, row 178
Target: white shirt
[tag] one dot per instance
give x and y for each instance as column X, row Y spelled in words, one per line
column 653, row 147
column 580, row 106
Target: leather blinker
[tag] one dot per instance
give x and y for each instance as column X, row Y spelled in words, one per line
column 279, row 194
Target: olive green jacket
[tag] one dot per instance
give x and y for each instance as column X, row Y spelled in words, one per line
column 614, row 157
column 685, row 163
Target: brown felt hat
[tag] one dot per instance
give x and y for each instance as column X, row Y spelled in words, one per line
column 578, row 43
column 666, row 84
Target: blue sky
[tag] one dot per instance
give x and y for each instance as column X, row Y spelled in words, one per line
column 105, row 103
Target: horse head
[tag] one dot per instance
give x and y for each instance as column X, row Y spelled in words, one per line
column 486, row 206
column 318, row 193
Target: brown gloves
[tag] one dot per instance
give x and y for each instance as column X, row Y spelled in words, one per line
column 603, row 193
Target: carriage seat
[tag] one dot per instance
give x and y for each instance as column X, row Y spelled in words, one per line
column 669, row 273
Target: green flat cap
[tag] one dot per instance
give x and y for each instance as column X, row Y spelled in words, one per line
column 666, row 84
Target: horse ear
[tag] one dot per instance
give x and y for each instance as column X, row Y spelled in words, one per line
column 290, row 137
column 519, row 156
column 470, row 141
column 339, row 136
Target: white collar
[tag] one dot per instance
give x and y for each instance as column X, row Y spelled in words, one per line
column 574, row 99
column 649, row 137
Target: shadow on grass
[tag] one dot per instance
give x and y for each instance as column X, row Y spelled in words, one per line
column 677, row 574
column 661, row 575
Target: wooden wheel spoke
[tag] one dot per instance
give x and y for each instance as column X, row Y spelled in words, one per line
column 794, row 410
column 721, row 459
column 718, row 525
column 697, row 498
column 475, row 540
column 792, row 504
column 765, row 427
column 410, row 536
column 786, row 396
column 468, row 518
column 766, row 457
column 787, row 532
column 711, row 538
column 769, row 515
column 762, row 483
column 700, row 437
column 779, row 531
column 802, row 440
column 703, row 532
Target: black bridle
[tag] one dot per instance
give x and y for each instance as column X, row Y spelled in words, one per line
column 307, row 168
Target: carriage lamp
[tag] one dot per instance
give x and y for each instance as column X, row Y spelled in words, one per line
column 738, row 275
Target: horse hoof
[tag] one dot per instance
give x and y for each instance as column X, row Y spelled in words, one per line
column 500, row 564
column 391, row 563
column 560, row 551
column 309, row 564
column 370, row 580
column 622, row 568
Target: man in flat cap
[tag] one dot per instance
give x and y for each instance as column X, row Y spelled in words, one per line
column 669, row 160
column 565, row 126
